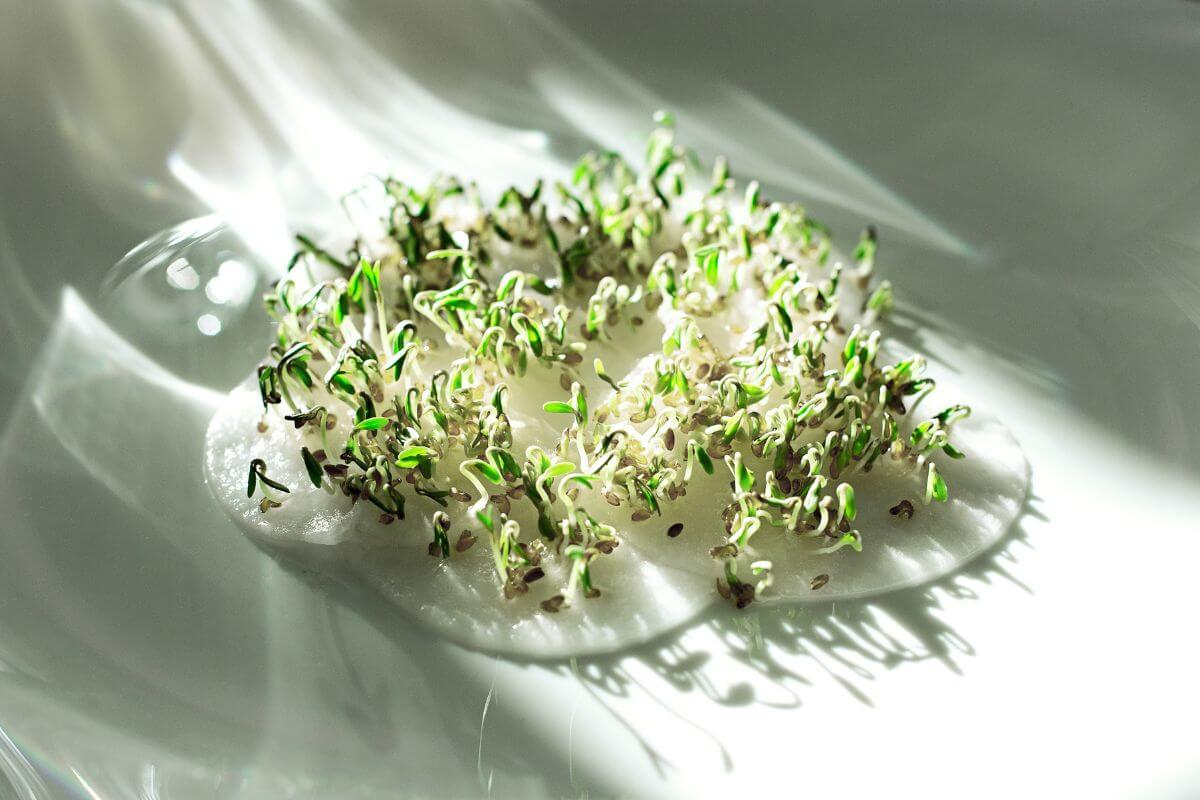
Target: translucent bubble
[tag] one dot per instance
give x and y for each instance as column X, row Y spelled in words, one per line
column 209, row 325
column 174, row 293
column 182, row 275
column 234, row 283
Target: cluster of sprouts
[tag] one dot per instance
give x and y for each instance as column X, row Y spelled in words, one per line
column 799, row 406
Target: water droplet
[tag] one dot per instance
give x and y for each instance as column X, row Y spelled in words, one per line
column 209, row 325
column 233, row 284
column 182, row 275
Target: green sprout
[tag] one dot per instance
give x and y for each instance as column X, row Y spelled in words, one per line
column 258, row 480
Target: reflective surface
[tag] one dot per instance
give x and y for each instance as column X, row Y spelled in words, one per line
column 1034, row 176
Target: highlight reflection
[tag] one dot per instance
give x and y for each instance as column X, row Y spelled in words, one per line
column 106, row 566
column 114, row 409
column 263, row 125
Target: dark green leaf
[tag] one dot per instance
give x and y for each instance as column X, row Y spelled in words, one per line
column 315, row 473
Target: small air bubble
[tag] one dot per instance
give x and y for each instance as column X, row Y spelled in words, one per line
column 233, row 283
column 182, row 275
column 208, row 325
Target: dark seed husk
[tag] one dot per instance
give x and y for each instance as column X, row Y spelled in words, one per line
column 606, row 546
column 501, row 502
column 743, row 594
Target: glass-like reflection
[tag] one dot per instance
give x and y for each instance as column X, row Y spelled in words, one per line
column 194, row 281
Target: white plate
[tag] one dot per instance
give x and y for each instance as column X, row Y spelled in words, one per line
column 1034, row 175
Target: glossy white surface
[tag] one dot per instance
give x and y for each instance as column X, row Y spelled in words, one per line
column 1034, row 174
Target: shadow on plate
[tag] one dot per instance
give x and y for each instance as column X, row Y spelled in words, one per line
column 852, row 642
column 726, row 656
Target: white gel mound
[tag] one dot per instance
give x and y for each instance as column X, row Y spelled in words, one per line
column 651, row 583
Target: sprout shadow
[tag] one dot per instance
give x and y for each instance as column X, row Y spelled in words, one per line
column 767, row 657
column 852, row 643
column 850, row 638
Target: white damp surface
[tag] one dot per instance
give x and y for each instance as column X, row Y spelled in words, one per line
column 459, row 598
column 987, row 491
column 307, row 514
column 651, row 583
